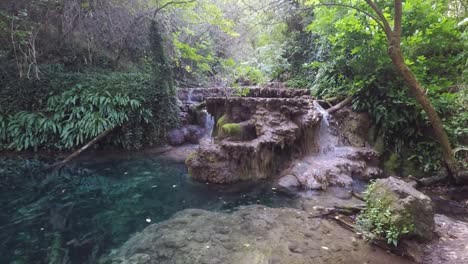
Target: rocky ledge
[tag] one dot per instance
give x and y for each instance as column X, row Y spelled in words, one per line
column 251, row 235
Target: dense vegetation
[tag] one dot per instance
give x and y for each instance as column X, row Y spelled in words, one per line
column 71, row 70
column 348, row 57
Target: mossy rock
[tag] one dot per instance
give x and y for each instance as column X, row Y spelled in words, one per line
column 394, row 209
column 219, row 123
column 231, row 130
column 222, row 121
column 191, row 156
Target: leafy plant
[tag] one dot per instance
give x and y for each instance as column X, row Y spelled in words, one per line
column 378, row 221
column 70, row 119
column 357, row 64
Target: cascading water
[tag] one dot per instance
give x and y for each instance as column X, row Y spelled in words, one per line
column 189, row 96
column 209, row 124
column 333, row 165
column 326, row 140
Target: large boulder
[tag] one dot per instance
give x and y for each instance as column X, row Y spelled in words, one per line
column 194, row 133
column 176, row 137
column 406, row 204
column 186, row 134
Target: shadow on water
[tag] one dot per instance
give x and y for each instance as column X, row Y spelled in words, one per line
column 84, row 211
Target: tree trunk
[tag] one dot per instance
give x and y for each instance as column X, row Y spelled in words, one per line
column 340, row 105
column 418, row 92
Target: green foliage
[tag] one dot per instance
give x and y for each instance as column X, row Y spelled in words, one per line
column 391, row 164
column 357, row 64
column 70, row 119
column 165, row 110
column 248, row 75
column 378, row 221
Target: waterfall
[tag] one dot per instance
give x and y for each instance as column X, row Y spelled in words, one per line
column 209, row 124
column 326, row 140
column 189, row 96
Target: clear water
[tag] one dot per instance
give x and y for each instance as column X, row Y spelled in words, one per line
column 95, row 206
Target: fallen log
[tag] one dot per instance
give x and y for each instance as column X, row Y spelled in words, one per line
column 428, row 181
column 75, row 154
column 340, row 105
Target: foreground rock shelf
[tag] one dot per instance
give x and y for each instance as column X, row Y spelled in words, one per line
column 251, row 235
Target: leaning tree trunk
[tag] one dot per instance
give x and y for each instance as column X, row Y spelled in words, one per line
column 418, row 92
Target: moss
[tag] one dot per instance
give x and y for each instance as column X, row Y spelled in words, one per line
column 219, row 123
column 222, row 121
column 231, row 130
column 191, row 156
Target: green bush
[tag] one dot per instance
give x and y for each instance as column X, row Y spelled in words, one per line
column 357, row 65
column 249, row 74
column 70, row 119
column 81, row 105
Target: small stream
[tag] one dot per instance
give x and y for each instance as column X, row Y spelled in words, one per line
column 96, row 205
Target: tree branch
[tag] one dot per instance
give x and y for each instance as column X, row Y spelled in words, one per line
column 386, row 26
column 398, row 17
column 171, row 3
column 355, row 8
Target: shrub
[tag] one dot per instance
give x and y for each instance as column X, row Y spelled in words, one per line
column 70, row 119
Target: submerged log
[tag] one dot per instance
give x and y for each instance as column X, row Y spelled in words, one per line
column 75, row 154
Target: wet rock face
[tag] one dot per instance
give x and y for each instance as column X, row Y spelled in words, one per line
column 405, row 201
column 338, row 168
column 251, row 235
column 353, row 127
column 342, row 155
column 186, row 134
column 271, row 131
column 198, row 95
column 192, row 117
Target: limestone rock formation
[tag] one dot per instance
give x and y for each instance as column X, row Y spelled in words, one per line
column 406, row 203
column 251, row 235
column 267, row 130
column 342, row 154
column 194, row 120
